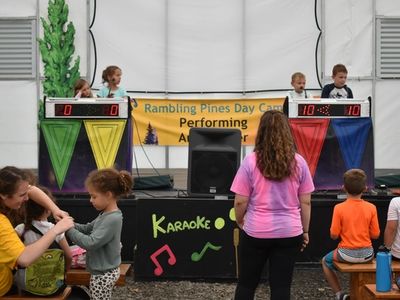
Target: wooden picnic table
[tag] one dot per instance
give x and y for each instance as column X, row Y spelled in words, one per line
column 370, row 293
column 82, row 277
column 360, row 275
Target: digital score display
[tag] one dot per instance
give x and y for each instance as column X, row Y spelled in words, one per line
column 329, row 110
column 86, row 110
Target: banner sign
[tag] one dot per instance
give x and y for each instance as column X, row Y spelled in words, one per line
column 167, row 122
column 190, row 238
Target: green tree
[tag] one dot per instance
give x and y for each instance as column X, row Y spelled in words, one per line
column 151, row 136
column 57, row 49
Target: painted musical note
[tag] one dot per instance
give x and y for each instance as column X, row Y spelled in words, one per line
column 171, row 260
column 197, row 256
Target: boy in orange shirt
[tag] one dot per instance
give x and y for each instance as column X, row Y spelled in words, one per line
column 355, row 222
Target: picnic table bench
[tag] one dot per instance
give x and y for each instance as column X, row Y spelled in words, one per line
column 82, row 277
column 360, row 275
column 371, row 293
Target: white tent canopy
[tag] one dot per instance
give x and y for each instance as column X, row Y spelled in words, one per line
column 231, row 46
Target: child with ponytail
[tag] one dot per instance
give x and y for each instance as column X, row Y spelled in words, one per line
column 102, row 237
column 111, row 79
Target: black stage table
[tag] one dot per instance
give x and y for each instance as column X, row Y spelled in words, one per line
column 170, row 237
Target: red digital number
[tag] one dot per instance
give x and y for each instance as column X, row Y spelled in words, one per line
column 67, row 110
column 110, row 110
column 353, row 110
column 114, row 110
column 308, row 110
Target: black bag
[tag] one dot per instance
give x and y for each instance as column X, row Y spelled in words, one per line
column 153, row 182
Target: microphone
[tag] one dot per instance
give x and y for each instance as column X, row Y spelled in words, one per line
column 110, row 95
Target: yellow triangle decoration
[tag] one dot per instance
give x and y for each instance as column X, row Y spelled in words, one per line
column 105, row 137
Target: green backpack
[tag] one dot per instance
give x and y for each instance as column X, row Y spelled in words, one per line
column 46, row 275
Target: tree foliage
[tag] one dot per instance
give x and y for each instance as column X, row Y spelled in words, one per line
column 57, row 49
column 151, row 136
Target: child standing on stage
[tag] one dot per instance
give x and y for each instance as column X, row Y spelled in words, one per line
column 82, row 89
column 102, row 237
column 111, row 80
column 338, row 89
column 299, row 87
column 355, row 222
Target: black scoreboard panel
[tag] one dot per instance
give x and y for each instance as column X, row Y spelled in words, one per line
column 329, row 108
column 98, row 108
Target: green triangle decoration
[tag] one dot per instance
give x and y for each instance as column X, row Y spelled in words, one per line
column 60, row 137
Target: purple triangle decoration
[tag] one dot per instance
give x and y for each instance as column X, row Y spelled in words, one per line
column 352, row 135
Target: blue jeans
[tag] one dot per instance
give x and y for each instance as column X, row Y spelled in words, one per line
column 254, row 253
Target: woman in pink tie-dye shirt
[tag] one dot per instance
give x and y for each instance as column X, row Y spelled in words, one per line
column 272, row 204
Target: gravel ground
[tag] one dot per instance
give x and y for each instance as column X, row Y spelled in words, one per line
column 308, row 283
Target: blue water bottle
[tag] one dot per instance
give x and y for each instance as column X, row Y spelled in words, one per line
column 383, row 270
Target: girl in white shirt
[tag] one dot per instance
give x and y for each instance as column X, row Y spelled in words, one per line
column 37, row 215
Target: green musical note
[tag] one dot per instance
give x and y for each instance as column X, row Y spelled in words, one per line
column 197, row 256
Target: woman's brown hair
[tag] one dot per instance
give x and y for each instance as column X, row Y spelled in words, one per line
column 275, row 149
column 10, row 178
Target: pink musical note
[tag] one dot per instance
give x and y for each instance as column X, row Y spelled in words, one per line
column 171, row 260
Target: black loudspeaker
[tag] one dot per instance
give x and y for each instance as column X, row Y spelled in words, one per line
column 214, row 157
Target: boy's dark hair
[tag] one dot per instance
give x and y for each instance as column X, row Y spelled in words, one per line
column 355, row 181
column 339, row 68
